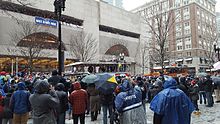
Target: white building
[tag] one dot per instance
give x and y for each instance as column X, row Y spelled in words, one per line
column 116, row 30
column 117, row 3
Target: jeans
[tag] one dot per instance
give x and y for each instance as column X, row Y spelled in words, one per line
column 61, row 118
column 144, row 105
column 202, row 95
column 104, row 108
column 209, row 99
column 81, row 116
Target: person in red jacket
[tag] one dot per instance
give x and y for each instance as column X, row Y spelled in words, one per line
column 78, row 99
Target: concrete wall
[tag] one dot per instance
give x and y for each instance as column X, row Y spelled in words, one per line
column 93, row 14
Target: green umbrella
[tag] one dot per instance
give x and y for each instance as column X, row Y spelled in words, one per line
column 202, row 74
column 89, row 79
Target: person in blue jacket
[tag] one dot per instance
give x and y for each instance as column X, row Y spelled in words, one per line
column 129, row 104
column 171, row 105
column 20, row 104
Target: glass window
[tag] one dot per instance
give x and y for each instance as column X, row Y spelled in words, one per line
column 188, row 53
column 178, row 15
column 178, row 41
column 186, row 25
column 179, row 47
column 186, row 10
column 177, row 3
column 187, row 31
column 188, row 46
column 188, row 40
column 185, row 2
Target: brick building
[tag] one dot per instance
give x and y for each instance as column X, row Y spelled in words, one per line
column 193, row 33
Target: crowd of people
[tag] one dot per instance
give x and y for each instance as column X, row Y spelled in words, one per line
column 51, row 99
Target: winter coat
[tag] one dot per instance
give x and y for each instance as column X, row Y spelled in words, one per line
column 19, row 102
column 7, row 112
column 201, row 85
column 94, row 99
column 55, row 79
column 106, row 99
column 129, row 104
column 208, row 85
column 78, row 99
column 44, row 104
column 168, row 101
column 194, row 92
column 1, row 106
column 63, row 98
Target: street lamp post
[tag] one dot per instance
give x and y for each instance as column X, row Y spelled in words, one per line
column 217, row 49
column 59, row 6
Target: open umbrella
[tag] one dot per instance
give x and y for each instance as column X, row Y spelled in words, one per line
column 202, row 74
column 217, row 65
column 106, row 83
column 89, row 79
column 216, row 80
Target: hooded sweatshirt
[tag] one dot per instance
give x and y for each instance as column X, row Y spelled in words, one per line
column 44, row 104
column 78, row 99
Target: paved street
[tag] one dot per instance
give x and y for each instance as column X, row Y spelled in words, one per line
column 208, row 116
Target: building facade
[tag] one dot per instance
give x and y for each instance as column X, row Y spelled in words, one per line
column 218, row 20
column 193, row 33
column 117, row 3
column 104, row 22
column 218, row 26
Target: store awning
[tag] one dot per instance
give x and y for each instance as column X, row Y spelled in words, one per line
column 188, row 59
column 179, row 60
column 166, row 61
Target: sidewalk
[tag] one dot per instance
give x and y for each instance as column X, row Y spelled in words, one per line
column 208, row 116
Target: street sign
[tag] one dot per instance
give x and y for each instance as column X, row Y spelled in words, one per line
column 44, row 21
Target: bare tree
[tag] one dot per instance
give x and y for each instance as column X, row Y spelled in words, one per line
column 144, row 59
column 28, row 42
column 207, row 42
column 160, row 25
column 83, row 46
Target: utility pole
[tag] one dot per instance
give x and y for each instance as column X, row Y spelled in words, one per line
column 59, row 6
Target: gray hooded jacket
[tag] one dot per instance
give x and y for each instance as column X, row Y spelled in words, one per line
column 44, row 104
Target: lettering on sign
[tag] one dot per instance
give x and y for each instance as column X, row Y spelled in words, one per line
column 44, row 21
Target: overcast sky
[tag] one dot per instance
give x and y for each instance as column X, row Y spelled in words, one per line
column 131, row 4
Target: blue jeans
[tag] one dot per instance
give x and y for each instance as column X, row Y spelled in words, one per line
column 209, row 99
column 105, row 118
column 61, row 118
column 202, row 95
